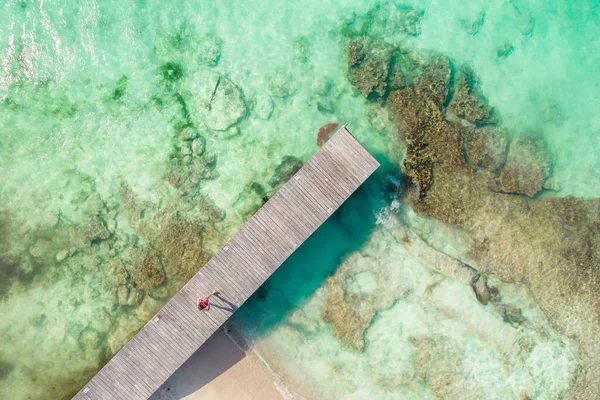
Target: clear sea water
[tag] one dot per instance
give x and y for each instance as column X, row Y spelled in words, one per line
column 93, row 95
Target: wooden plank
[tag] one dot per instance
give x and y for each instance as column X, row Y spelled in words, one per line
column 236, row 271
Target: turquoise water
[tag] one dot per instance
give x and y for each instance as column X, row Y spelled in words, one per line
column 137, row 136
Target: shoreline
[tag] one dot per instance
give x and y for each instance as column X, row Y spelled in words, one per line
column 220, row 369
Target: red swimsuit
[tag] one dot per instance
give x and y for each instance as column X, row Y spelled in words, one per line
column 202, row 304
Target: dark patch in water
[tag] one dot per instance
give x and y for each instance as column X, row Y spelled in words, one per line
column 11, row 272
column 121, row 88
column 259, row 190
column 288, row 166
column 184, row 111
column 505, row 50
column 170, row 72
column 307, row 269
column 5, row 369
column 156, row 99
column 8, row 272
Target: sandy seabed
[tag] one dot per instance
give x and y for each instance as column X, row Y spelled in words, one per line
column 220, row 370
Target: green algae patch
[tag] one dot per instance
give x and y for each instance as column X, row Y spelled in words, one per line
column 121, row 88
column 171, row 72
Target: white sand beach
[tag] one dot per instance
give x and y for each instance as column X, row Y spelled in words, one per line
column 220, row 370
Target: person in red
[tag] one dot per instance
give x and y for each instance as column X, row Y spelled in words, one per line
column 204, row 304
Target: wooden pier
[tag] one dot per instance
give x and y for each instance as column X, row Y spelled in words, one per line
column 236, row 271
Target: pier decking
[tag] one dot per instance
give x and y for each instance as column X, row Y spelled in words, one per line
column 236, row 271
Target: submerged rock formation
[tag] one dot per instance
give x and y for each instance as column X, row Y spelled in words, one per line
column 417, row 112
column 486, row 148
column 439, row 364
column 209, row 51
column 179, row 247
column 368, row 66
column 150, row 272
column 401, row 300
column 527, row 167
column 468, row 101
column 227, row 106
column 550, row 244
column 386, row 19
column 214, row 101
column 95, row 230
column 352, row 296
column 189, row 163
column 282, row 83
column 288, row 166
column 263, row 106
column 434, row 80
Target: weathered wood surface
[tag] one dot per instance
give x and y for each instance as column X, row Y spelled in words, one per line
column 236, row 271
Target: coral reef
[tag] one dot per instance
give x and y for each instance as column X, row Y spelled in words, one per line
column 150, row 273
column 417, row 112
column 116, row 273
column 434, row 80
column 180, row 247
column 198, row 146
column 344, row 313
column 192, row 260
column 189, row 163
column 399, row 294
column 486, row 148
column 527, row 167
column 174, row 241
column 438, row 363
column 95, row 230
column 352, row 298
column 368, row 66
column 550, row 244
column 187, row 133
column 468, row 101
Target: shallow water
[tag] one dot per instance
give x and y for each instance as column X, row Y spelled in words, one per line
column 98, row 174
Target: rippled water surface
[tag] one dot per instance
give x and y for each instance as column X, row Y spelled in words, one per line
column 136, row 136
